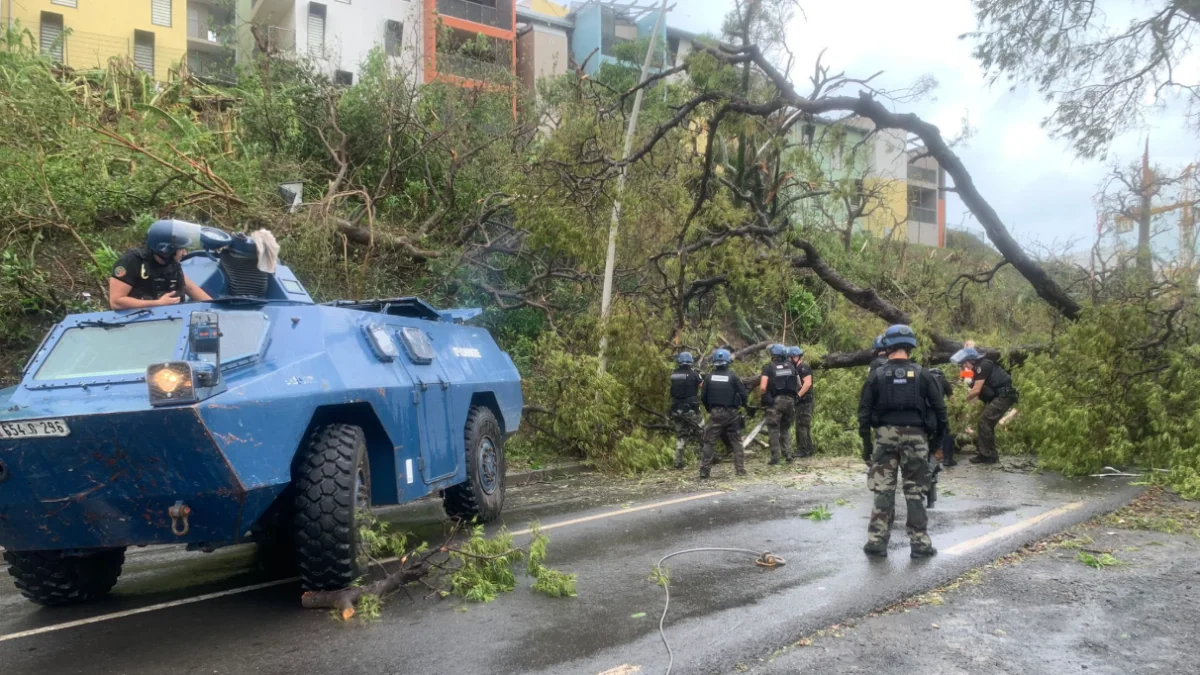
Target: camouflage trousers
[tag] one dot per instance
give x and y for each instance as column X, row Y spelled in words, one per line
column 804, row 415
column 993, row 412
column 723, row 425
column 688, row 429
column 780, row 418
column 899, row 451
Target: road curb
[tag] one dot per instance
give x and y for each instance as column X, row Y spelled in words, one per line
column 538, row 475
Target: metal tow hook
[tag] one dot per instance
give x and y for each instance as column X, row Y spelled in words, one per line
column 179, row 518
column 768, row 559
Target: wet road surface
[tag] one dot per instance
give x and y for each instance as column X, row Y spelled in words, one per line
column 1044, row 613
column 725, row 611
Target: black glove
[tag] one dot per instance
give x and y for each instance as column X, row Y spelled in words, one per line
column 868, row 447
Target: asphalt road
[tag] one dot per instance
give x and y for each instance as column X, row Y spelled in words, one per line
column 1043, row 613
column 725, row 611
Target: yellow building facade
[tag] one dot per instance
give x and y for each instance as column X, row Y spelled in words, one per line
column 85, row 34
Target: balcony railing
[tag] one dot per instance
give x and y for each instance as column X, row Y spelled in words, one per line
column 922, row 215
column 923, row 174
column 497, row 16
column 472, row 69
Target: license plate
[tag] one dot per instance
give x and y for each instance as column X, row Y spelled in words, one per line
column 35, row 429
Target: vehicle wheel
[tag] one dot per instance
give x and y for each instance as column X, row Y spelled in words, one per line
column 333, row 482
column 481, row 496
column 52, row 579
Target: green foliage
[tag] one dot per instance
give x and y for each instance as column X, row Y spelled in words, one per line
column 485, row 567
column 1098, row 561
column 818, row 513
column 1105, row 399
column 835, row 415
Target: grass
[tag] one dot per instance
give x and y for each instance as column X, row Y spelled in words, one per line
column 1098, row 561
column 821, row 512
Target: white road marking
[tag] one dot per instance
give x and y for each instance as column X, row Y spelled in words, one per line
column 972, row 544
column 143, row 610
column 246, row 589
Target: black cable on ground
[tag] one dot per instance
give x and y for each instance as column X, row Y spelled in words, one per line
column 761, row 558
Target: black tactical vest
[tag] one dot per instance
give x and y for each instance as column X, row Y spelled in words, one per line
column 721, row 393
column 899, row 400
column 998, row 383
column 877, row 362
column 783, row 379
column 685, row 387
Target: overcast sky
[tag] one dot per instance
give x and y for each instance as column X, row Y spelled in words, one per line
column 1041, row 191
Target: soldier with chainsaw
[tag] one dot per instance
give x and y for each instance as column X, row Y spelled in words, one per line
column 993, row 385
column 904, row 406
column 804, row 402
column 685, row 405
column 723, row 395
column 780, row 387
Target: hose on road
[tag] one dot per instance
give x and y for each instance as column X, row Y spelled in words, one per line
column 761, row 558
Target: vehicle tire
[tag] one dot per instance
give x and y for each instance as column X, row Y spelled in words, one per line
column 332, row 482
column 481, row 496
column 53, row 579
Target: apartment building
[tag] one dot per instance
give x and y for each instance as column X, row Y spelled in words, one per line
column 85, row 34
column 470, row 42
column 337, row 35
column 900, row 191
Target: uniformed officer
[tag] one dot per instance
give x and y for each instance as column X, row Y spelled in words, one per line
column 780, row 387
column 151, row 276
column 722, row 394
column 804, row 402
column 903, row 403
column 880, row 353
column 685, row 405
column 994, row 386
column 947, row 440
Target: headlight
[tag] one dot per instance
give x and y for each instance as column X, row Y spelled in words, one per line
column 170, row 383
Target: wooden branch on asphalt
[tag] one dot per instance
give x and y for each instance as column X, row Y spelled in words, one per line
column 344, row 600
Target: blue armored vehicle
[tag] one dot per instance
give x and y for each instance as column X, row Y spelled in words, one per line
column 259, row 416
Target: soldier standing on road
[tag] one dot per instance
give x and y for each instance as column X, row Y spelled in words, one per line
column 804, row 402
column 779, row 386
column 904, row 404
column 994, row 386
column 722, row 394
column 685, row 405
column 880, row 353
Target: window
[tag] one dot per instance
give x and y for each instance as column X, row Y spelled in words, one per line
column 143, row 50
column 194, row 22
column 103, row 351
column 316, row 30
column 417, row 344
column 50, row 36
column 856, row 199
column 241, row 334
column 65, row 3
column 343, row 78
column 393, row 37
column 160, row 13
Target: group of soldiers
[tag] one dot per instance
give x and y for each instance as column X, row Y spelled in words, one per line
column 901, row 418
column 787, row 398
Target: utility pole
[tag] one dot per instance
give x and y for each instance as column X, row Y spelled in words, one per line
column 610, row 260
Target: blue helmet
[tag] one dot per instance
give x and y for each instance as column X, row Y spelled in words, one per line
column 965, row 354
column 685, row 359
column 878, row 343
column 899, row 336
column 795, row 352
column 722, row 357
column 778, row 351
column 167, row 236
